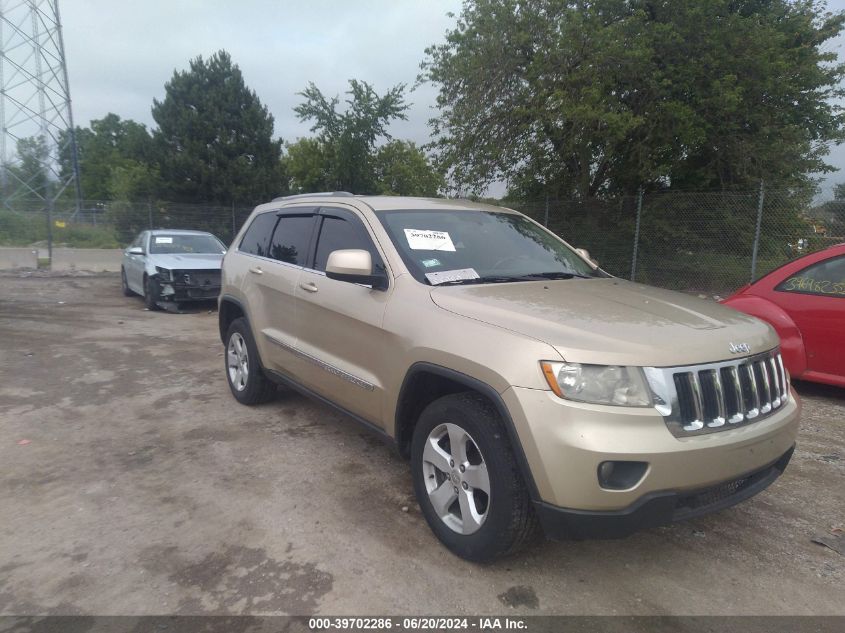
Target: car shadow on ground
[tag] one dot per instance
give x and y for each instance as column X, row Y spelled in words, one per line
column 815, row 389
column 192, row 307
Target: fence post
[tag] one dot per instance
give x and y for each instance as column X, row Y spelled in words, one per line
column 233, row 220
column 50, row 227
column 637, row 234
column 150, row 214
column 757, row 231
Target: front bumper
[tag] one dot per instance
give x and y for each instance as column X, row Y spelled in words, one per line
column 179, row 293
column 564, row 443
column 656, row 509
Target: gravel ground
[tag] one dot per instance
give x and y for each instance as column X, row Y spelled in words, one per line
column 131, row 482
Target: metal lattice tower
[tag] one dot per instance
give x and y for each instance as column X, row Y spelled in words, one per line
column 35, row 109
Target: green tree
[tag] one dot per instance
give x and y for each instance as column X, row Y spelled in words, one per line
column 402, row 169
column 348, row 139
column 308, row 164
column 106, row 145
column 27, row 179
column 579, row 99
column 214, row 139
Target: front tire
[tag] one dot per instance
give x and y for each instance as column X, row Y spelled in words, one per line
column 151, row 291
column 246, row 379
column 467, row 481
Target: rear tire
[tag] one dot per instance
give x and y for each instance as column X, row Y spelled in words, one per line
column 246, row 379
column 460, row 447
column 124, row 286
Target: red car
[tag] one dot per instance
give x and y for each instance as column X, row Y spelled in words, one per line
column 804, row 301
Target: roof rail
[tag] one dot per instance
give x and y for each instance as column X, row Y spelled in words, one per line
column 339, row 194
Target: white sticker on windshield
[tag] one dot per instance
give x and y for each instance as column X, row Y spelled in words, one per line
column 164, row 240
column 451, row 275
column 422, row 240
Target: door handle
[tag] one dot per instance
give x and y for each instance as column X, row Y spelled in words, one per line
column 256, row 270
column 309, row 287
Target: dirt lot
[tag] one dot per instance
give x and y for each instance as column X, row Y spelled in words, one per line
column 131, row 482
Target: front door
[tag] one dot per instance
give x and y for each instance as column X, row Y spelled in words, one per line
column 341, row 340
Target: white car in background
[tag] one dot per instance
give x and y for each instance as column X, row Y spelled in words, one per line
column 171, row 266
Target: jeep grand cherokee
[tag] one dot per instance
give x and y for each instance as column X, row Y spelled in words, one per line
column 527, row 387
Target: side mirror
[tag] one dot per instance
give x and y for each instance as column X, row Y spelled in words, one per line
column 355, row 266
column 135, row 250
column 585, row 254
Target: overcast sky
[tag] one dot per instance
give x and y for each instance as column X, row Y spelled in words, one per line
column 120, row 54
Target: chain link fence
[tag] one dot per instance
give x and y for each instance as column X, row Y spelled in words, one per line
column 703, row 242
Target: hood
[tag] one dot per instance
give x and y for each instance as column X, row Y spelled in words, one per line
column 611, row 321
column 187, row 261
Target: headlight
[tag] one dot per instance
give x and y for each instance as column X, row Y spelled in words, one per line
column 598, row 384
column 164, row 273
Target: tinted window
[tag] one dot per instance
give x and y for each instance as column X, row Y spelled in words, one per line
column 258, row 234
column 825, row 278
column 337, row 233
column 291, row 239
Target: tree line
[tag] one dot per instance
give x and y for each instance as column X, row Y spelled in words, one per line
column 562, row 99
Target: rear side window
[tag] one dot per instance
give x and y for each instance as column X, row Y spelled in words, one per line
column 826, row 279
column 292, row 238
column 257, row 236
column 341, row 231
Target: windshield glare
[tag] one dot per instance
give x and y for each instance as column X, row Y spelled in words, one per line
column 479, row 247
column 181, row 244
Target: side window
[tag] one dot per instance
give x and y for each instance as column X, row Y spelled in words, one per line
column 292, row 238
column 339, row 231
column 257, row 236
column 825, row 278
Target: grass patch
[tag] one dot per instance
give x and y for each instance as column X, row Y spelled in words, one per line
column 18, row 229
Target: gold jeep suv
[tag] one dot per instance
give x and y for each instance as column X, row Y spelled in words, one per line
column 527, row 387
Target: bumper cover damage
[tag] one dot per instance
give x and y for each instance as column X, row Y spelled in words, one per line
column 188, row 285
column 658, row 508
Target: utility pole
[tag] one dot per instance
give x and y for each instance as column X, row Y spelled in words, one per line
column 36, row 117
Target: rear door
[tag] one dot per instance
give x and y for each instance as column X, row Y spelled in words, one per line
column 341, row 339
column 815, row 299
column 277, row 249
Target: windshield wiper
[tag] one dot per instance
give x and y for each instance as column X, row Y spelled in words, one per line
column 488, row 279
column 559, row 274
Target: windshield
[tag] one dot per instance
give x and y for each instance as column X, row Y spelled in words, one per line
column 450, row 247
column 163, row 244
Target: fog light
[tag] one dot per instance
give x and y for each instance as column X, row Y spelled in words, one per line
column 621, row 475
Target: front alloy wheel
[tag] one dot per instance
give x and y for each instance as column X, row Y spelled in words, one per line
column 456, row 479
column 466, row 479
column 237, row 358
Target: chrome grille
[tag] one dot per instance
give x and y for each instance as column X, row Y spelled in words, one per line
column 197, row 278
column 707, row 398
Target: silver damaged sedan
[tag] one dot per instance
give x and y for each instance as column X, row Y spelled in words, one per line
column 172, row 266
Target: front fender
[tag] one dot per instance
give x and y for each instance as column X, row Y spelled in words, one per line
column 791, row 341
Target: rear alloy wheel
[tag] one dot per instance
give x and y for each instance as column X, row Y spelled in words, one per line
column 467, row 481
column 246, row 379
column 124, row 286
column 237, row 360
